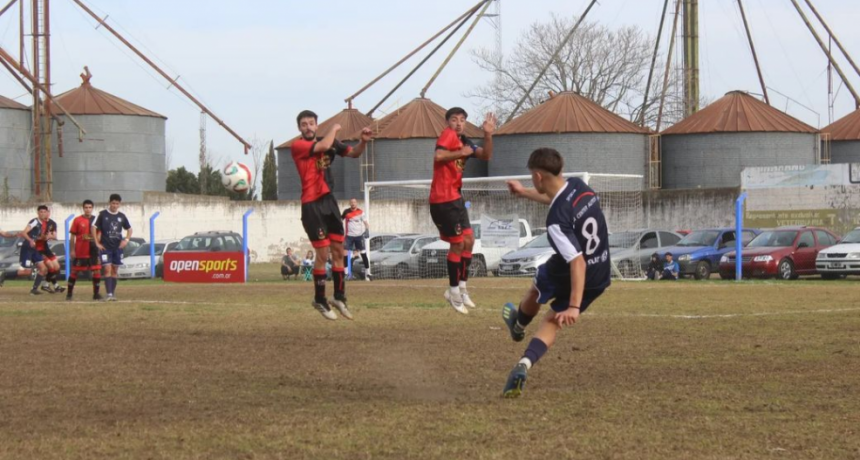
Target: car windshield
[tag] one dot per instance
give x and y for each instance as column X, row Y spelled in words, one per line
column 143, row 250
column 7, row 242
column 398, row 245
column 539, row 242
column 623, row 239
column 773, row 239
column 700, row 238
column 852, row 237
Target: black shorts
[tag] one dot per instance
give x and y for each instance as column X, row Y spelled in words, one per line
column 83, row 264
column 322, row 222
column 452, row 220
column 557, row 289
column 47, row 253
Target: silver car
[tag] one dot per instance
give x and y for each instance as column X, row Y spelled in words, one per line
column 629, row 249
column 399, row 257
column 137, row 265
column 525, row 260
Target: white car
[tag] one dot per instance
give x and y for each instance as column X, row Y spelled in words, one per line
column 841, row 259
column 484, row 260
column 137, row 265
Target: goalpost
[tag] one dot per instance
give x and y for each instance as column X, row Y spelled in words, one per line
column 402, row 207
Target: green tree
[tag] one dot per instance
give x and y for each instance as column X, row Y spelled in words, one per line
column 180, row 180
column 214, row 187
column 270, row 175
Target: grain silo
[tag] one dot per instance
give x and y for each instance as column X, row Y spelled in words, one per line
column 710, row 148
column 346, row 172
column 589, row 137
column 405, row 141
column 16, row 160
column 844, row 138
column 123, row 151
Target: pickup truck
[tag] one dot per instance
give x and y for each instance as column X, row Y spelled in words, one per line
column 433, row 256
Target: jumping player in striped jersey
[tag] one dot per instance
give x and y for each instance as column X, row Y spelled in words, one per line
column 321, row 217
column 447, row 207
column 574, row 276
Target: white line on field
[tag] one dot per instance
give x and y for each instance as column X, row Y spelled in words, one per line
column 589, row 314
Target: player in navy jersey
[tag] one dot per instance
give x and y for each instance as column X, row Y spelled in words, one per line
column 321, row 217
column 447, row 208
column 574, row 276
column 107, row 233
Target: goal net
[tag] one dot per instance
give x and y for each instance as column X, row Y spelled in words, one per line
column 512, row 240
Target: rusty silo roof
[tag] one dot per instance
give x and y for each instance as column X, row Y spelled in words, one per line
column 738, row 112
column 6, row 103
column 88, row 100
column 351, row 121
column 421, row 118
column 569, row 112
column 846, row 128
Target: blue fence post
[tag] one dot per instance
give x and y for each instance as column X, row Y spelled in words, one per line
column 245, row 240
column 739, row 245
column 66, row 247
column 152, row 243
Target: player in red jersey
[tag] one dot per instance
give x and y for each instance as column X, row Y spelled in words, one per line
column 84, row 253
column 447, row 208
column 321, row 217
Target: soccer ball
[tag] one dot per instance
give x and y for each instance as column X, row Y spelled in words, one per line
column 236, row 177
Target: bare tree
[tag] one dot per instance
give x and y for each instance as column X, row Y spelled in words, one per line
column 610, row 67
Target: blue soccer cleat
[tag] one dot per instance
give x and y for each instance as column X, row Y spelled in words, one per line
column 516, row 381
column 509, row 314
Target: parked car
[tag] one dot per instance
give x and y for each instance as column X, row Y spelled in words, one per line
column 400, row 258
column 137, row 265
column 785, row 253
column 842, row 259
column 210, row 242
column 526, row 260
column 377, row 241
column 631, row 251
column 10, row 252
column 484, row 260
column 699, row 253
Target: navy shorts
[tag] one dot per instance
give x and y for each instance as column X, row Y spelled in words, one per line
column 111, row 257
column 354, row 243
column 558, row 288
column 29, row 256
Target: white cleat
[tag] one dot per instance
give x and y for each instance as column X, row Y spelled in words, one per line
column 324, row 310
column 467, row 301
column 342, row 308
column 456, row 301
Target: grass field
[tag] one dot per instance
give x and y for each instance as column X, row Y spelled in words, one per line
column 684, row 370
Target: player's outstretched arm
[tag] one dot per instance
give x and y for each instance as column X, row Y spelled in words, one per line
column 366, row 136
column 486, row 151
column 328, row 140
column 517, row 189
column 577, row 287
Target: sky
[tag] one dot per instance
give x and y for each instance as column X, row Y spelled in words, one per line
column 257, row 63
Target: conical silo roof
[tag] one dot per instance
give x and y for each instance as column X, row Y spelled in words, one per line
column 846, row 128
column 6, row 103
column 738, row 112
column 569, row 112
column 420, row 118
column 351, row 121
column 89, row 100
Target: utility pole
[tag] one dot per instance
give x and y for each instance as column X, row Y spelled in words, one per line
column 204, row 177
column 691, row 57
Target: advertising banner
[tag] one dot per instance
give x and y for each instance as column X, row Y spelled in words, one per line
column 500, row 232
column 204, row 267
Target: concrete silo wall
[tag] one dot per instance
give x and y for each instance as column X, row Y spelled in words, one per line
column 716, row 160
column 411, row 159
column 845, row 152
column 582, row 152
column 120, row 154
column 346, row 174
column 289, row 184
column 15, row 161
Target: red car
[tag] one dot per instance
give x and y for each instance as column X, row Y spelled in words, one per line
column 785, row 253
